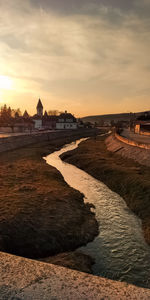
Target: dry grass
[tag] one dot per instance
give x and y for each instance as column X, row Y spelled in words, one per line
column 72, row 260
column 40, row 215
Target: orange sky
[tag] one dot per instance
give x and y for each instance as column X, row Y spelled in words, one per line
column 86, row 57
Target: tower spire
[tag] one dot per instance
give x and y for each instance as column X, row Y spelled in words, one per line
column 39, row 108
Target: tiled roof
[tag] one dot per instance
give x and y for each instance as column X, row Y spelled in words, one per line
column 66, row 116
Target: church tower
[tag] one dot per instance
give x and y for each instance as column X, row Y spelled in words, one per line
column 40, row 109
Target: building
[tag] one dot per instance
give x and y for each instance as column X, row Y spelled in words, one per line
column 39, row 121
column 142, row 124
column 39, row 108
column 37, row 118
column 61, row 122
column 49, row 122
column 142, row 127
column 66, row 121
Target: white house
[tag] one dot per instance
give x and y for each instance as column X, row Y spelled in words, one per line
column 37, row 122
column 66, row 121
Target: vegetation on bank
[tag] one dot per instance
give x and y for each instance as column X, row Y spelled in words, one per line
column 40, row 215
column 72, row 260
column 124, row 176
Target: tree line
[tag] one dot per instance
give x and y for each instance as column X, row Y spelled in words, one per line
column 7, row 114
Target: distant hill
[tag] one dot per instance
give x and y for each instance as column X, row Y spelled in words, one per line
column 110, row 117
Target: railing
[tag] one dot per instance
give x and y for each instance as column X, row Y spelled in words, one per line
column 131, row 142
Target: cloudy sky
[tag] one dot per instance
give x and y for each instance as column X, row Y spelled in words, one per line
column 87, row 57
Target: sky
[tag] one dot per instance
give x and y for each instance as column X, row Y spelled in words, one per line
column 86, row 57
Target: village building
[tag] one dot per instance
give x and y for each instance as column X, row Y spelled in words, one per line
column 39, row 121
column 43, row 121
column 49, row 122
column 61, row 122
column 66, row 121
column 142, row 127
column 142, row 124
column 37, row 118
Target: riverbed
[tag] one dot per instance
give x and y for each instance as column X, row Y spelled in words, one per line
column 120, row 251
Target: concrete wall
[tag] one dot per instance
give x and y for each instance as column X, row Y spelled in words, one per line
column 131, row 143
column 15, row 142
column 9, row 129
column 25, row 279
column 66, row 125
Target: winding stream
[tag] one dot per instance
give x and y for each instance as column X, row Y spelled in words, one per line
column 119, row 250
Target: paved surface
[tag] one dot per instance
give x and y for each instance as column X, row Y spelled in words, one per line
column 143, row 139
column 2, row 135
column 24, row 279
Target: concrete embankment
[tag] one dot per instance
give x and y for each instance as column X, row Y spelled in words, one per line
column 133, row 142
column 16, row 142
column 24, row 279
column 128, row 149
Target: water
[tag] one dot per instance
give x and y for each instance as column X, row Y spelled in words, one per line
column 119, row 250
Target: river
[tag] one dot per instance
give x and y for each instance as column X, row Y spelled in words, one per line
column 120, row 250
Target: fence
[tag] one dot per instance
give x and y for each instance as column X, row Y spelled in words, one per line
column 131, row 142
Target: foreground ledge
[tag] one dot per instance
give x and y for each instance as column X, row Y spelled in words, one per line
column 22, row 278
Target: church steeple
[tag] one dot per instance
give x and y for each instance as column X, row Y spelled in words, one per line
column 39, row 108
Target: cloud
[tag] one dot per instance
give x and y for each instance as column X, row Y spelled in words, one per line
column 76, row 7
column 76, row 50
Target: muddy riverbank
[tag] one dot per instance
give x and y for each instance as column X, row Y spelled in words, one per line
column 124, row 176
column 40, row 215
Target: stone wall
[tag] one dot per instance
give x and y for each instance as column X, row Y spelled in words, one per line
column 131, row 142
column 15, row 142
column 26, row 279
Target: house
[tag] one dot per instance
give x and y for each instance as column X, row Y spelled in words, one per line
column 142, row 124
column 66, row 121
column 49, row 122
column 142, row 127
column 37, row 122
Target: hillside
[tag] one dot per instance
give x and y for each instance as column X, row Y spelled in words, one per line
column 110, row 117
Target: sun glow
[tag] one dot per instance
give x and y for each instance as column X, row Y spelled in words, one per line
column 5, row 82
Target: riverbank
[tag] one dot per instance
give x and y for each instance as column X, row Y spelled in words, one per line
column 122, row 175
column 140, row 155
column 40, row 215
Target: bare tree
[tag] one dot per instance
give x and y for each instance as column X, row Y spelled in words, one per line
column 53, row 112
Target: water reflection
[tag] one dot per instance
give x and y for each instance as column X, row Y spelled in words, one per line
column 119, row 250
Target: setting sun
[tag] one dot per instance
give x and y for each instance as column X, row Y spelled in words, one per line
column 5, row 82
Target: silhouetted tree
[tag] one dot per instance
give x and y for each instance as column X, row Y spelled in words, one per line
column 53, row 112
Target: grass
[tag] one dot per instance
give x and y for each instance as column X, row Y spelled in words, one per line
column 40, row 215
